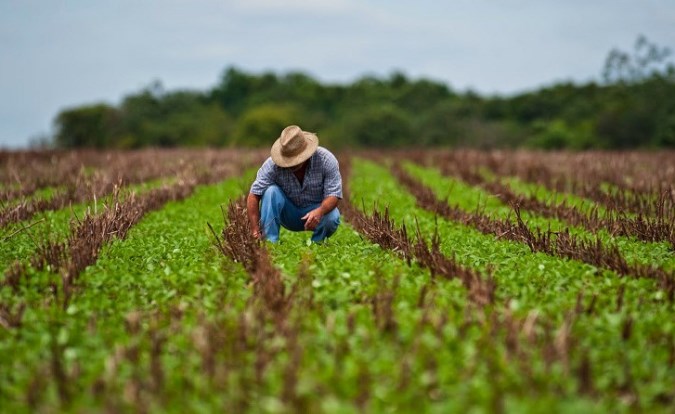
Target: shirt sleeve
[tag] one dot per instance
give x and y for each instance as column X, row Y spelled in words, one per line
column 264, row 178
column 332, row 183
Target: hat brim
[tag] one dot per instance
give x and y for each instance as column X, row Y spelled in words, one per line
column 312, row 144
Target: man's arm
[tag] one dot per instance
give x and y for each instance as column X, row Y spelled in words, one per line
column 253, row 212
column 313, row 218
column 264, row 178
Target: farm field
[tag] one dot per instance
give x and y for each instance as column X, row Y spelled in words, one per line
column 458, row 281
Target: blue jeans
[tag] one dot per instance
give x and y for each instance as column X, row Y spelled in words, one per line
column 277, row 210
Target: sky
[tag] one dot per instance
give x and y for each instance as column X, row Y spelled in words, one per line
column 61, row 54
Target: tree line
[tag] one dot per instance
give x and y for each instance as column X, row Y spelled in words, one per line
column 632, row 106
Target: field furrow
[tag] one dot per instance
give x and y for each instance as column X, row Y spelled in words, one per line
column 434, row 295
column 119, row 172
column 165, row 264
column 21, row 239
column 474, row 205
column 67, row 259
column 636, row 183
column 357, row 322
column 575, row 210
column 540, row 284
column 534, row 281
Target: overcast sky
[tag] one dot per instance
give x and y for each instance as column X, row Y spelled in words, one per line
column 57, row 54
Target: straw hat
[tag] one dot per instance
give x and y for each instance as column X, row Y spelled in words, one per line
column 294, row 146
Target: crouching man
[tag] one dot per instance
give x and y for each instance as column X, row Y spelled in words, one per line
column 299, row 186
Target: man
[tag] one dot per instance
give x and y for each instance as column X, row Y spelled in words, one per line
column 300, row 186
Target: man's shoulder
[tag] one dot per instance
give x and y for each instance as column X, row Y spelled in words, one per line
column 269, row 164
column 268, row 168
column 323, row 151
column 325, row 155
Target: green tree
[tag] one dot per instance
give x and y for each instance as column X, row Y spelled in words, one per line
column 558, row 134
column 93, row 126
column 234, row 89
column 632, row 108
column 261, row 125
column 381, row 126
column 665, row 134
column 441, row 126
column 646, row 61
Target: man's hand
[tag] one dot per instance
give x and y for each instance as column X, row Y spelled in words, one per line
column 253, row 212
column 312, row 219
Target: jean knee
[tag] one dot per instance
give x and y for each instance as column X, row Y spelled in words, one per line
column 273, row 191
column 333, row 219
column 273, row 196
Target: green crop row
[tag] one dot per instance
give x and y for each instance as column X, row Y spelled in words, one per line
column 549, row 286
column 21, row 240
column 542, row 193
column 164, row 323
column 341, row 363
column 165, row 262
column 40, row 194
column 471, row 198
column 437, row 356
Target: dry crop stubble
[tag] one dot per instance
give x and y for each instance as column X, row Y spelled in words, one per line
column 95, row 174
column 551, row 342
column 561, row 243
column 588, row 280
column 650, row 216
column 87, row 236
column 405, row 323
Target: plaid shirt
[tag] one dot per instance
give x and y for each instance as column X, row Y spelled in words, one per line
column 322, row 179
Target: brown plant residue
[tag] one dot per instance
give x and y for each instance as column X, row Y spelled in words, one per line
column 88, row 235
column 271, row 304
column 654, row 207
column 560, row 244
column 84, row 175
column 380, row 229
